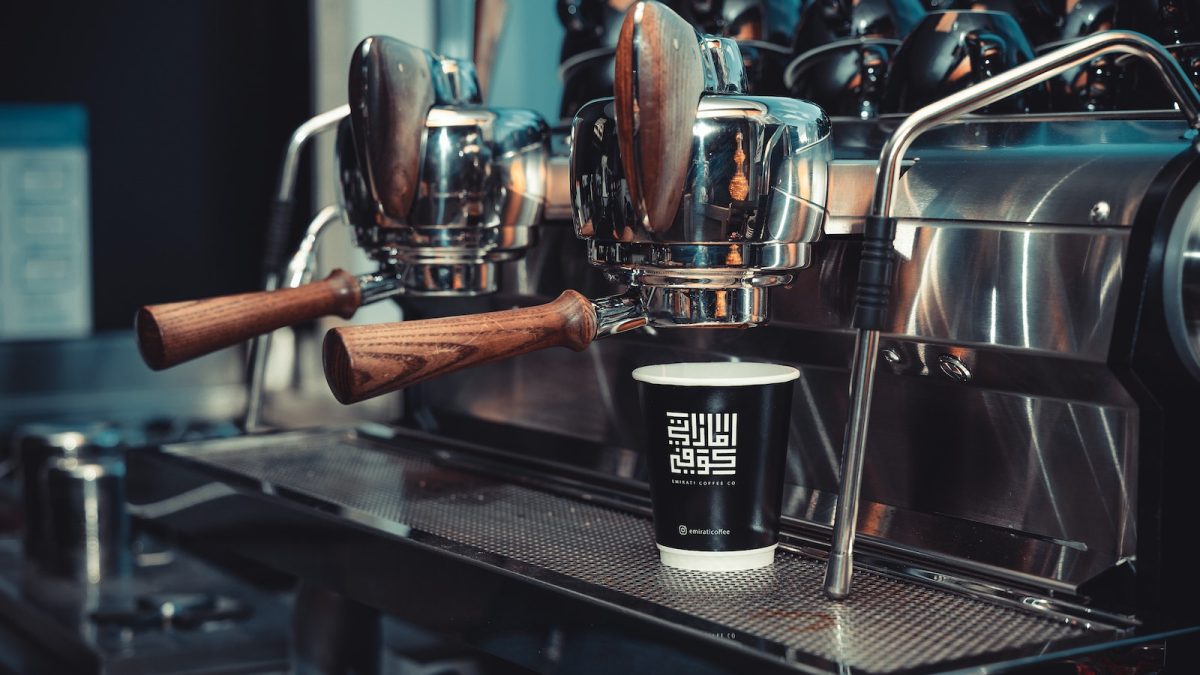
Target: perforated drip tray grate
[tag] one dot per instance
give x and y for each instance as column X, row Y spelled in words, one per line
column 887, row 625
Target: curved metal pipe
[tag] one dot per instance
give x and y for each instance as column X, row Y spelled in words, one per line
column 297, row 269
column 840, row 568
column 1020, row 78
column 300, row 265
column 282, row 207
column 300, row 137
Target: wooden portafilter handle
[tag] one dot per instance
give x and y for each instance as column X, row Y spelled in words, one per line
column 172, row 333
column 365, row 361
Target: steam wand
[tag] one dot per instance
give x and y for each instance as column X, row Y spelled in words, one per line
column 282, row 209
column 875, row 275
column 298, row 271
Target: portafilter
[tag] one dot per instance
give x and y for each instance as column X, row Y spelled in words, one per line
column 695, row 196
column 438, row 190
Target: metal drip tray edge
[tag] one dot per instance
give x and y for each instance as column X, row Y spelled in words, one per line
column 597, row 554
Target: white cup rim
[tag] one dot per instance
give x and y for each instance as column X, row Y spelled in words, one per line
column 716, row 374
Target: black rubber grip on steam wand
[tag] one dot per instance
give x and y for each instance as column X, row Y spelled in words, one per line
column 876, row 269
column 279, row 227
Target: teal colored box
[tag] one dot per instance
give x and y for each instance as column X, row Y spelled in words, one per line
column 37, row 125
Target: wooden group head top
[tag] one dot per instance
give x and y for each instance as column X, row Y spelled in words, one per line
column 663, row 67
column 658, row 82
column 393, row 86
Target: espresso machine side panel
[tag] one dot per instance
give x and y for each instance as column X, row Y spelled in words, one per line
column 1157, row 369
column 1002, row 435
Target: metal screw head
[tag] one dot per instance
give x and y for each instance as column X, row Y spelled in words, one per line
column 890, row 355
column 1100, row 212
column 953, row 368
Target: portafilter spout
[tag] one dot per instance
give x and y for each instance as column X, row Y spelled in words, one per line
column 695, row 196
column 878, row 259
column 437, row 188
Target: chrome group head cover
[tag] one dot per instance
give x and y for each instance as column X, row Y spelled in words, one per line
column 751, row 201
column 450, row 187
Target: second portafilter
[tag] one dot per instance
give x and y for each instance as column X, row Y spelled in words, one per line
column 438, row 189
column 695, row 196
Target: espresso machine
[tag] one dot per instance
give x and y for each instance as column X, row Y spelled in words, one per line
column 996, row 319
column 483, row 185
column 719, row 215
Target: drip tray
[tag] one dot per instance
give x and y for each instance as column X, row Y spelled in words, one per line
column 606, row 556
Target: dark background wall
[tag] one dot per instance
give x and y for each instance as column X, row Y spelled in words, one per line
column 190, row 107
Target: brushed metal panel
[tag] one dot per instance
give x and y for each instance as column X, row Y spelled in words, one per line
column 1042, row 289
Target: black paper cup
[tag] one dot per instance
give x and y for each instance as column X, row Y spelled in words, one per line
column 716, row 443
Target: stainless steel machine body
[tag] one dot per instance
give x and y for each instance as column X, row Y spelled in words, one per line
column 1004, row 441
column 437, row 188
column 875, row 274
column 477, row 180
column 1031, row 445
column 1012, row 457
column 752, row 205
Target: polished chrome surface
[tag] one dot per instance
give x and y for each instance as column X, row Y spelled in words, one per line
column 736, row 307
column 953, row 368
column 1046, row 289
column 1044, row 170
column 449, row 279
column 286, row 191
column 754, row 199
column 840, row 568
column 300, row 267
column 433, row 183
column 455, row 81
column 1181, row 283
column 724, row 71
column 660, row 306
column 75, row 522
column 1017, row 79
column 482, row 185
column 763, row 264
column 36, row 447
column 850, row 183
column 759, row 174
column 619, row 313
column 483, row 168
column 558, row 186
column 598, row 549
column 1052, row 183
column 1049, row 291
